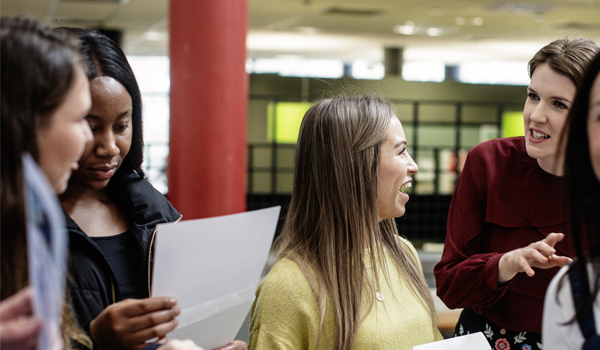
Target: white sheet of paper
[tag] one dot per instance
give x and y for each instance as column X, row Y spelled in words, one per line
column 212, row 267
column 475, row 341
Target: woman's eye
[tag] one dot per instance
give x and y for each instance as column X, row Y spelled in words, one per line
column 532, row 96
column 560, row 105
column 122, row 127
column 404, row 149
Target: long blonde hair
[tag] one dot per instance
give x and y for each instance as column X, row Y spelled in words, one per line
column 332, row 224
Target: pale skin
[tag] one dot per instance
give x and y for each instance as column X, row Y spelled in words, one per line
column 549, row 99
column 540, row 254
column 18, row 327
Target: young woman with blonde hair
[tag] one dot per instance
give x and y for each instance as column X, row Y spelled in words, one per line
column 344, row 278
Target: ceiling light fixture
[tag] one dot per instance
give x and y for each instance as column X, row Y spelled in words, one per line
column 405, row 30
column 477, row 21
column 435, row 31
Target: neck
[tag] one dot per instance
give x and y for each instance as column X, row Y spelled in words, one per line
column 81, row 197
column 552, row 164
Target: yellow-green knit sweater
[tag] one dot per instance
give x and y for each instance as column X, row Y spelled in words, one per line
column 285, row 314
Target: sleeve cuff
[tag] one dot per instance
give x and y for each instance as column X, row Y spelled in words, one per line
column 491, row 273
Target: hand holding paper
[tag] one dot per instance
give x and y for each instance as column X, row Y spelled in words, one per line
column 131, row 322
column 214, row 294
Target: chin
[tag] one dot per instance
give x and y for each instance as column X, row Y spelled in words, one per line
column 61, row 186
column 534, row 152
column 60, row 189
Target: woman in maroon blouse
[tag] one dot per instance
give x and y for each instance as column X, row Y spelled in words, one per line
column 506, row 223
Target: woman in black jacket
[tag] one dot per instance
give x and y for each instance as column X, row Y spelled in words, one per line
column 112, row 212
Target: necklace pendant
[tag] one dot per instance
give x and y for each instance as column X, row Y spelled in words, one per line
column 379, row 296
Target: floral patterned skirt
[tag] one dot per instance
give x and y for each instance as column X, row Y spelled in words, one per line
column 499, row 338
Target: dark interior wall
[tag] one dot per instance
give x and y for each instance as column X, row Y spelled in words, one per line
column 426, row 219
column 265, row 86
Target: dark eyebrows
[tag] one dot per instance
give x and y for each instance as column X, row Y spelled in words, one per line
column 559, row 98
column 123, row 114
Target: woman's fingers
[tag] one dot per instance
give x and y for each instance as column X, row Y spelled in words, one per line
column 16, row 305
column 19, row 334
column 157, row 331
column 553, row 238
column 560, row 261
column 537, row 255
column 137, row 307
column 180, row 345
column 154, row 318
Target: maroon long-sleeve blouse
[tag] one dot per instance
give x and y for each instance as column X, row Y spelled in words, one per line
column 503, row 201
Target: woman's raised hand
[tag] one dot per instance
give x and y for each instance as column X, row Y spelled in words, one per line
column 540, row 254
column 128, row 324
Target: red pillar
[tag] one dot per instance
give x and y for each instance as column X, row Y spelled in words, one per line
column 207, row 161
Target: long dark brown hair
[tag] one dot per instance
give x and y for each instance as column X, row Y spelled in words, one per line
column 37, row 71
column 332, row 225
column 583, row 191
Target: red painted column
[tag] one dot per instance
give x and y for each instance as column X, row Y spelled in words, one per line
column 207, row 161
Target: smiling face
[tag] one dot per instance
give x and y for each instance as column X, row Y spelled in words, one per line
column 111, row 122
column 549, row 99
column 396, row 168
column 61, row 143
column 593, row 127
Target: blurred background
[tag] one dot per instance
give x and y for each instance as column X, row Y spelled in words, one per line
column 455, row 70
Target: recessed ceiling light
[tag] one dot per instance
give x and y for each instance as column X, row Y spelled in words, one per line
column 435, row 31
column 406, row 30
column 477, row 21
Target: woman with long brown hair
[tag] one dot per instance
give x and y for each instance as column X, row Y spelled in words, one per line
column 45, row 98
column 344, row 278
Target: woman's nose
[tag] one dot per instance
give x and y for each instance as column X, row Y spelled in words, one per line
column 107, row 147
column 412, row 166
column 538, row 115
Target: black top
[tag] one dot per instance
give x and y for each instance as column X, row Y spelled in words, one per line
column 94, row 282
column 130, row 277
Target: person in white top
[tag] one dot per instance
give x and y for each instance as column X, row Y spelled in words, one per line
column 566, row 316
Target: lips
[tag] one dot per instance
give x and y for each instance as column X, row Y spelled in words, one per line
column 103, row 172
column 537, row 136
column 405, row 185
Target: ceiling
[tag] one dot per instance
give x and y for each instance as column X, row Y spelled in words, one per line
column 451, row 31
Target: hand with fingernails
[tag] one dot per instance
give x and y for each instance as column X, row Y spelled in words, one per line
column 540, row 254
